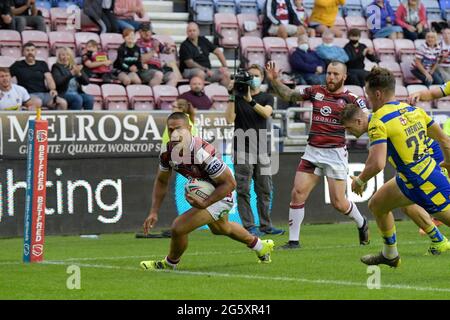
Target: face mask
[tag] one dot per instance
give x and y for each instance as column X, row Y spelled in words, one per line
column 328, row 44
column 256, row 82
column 198, row 93
column 304, row 47
column 353, row 42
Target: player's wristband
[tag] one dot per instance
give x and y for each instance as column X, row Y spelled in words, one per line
column 252, row 103
column 360, row 182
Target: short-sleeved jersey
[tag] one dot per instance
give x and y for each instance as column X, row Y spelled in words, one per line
column 326, row 129
column 404, row 129
column 445, row 88
column 14, row 98
column 201, row 164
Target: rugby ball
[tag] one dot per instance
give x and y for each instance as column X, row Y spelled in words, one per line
column 199, row 189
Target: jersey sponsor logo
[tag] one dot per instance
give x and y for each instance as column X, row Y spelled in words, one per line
column 361, row 103
column 215, row 166
column 319, row 96
column 325, row 111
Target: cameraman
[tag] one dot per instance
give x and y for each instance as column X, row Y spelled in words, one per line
column 250, row 109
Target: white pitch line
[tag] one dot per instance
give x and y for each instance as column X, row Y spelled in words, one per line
column 265, row 278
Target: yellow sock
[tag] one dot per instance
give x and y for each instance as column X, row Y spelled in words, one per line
column 434, row 233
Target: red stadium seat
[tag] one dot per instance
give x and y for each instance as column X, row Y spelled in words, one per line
column 426, row 105
column 395, row 68
column 385, row 49
column 418, row 43
column 340, row 42
column 81, row 38
column 115, row 97
column 252, row 49
column 40, row 40
column 277, row 50
column 110, row 43
column 164, row 96
column 401, row 93
column 408, row 77
column 184, row 88
column 367, row 42
column 46, row 15
column 218, row 95
column 314, row 42
column 292, row 43
column 226, row 26
column 341, row 25
column 404, row 47
column 6, row 61
column 355, row 22
column 368, row 65
column 140, row 97
column 60, row 39
column 10, row 43
column 51, row 61
column 95, row 91
column 244, row 17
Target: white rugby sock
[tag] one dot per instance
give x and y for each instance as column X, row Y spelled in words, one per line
column 354, row 214
column 296, row 215
column 256, row 245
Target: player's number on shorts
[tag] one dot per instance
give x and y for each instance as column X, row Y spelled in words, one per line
column 413, row 141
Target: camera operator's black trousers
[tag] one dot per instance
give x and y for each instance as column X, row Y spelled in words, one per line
column 260, row 173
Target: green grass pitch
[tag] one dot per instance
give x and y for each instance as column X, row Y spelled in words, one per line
column 327, row 267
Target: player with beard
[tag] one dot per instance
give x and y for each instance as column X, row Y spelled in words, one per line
column 326, row 153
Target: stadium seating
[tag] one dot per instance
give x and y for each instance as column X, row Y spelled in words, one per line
column 140, row 97
column 355, row 22
column 225, row 6
column 184, row 88
column 114, row 97
column 314, row 42
column 394, row 4
column 252, row 50
column 164, row 96
column 167, row 57
column 63, row 19
column 6, row 61
column 408, row 77
column 248, row 6
column 341, row 25
column 367, row 42
column 51, row 61
column 418, row 43
column 277, row 50
column 426, row 105
column 433, row 10
column 81, row 38
column 369, row 65
column 401, row 93
column 40, row 40
column 203, row 11
column 242, row 18
column 218, row 95
column 445, row 8
column 10, row 43
column 227, row 28
column 340, row 42
column 395, row 68
column 404, row 47
column 110, row 42
column 385, row 49
column 353, row 8
column 443, row 103
column 46, row 15
column 292, row 43
column 60, row 39
column 95, row 91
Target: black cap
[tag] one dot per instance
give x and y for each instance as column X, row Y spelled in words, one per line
column 146, row 26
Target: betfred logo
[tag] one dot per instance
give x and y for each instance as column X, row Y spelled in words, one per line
column 41, row 135
column 37, row 250
column 26, row 249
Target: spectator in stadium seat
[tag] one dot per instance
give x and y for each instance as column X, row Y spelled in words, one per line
column 357, row 52
column 36, row 78
column 196, row 96
column 129, row 61
column 327, row 51
column 26, row 15
column 444, row 65
column 69, row 77
column 324, row 15
column 281, row 20
column 194, row 57
column 7, row 21
column 307, row 66
column 125, row 11
column 426, row 61
column 12, row 96
column 412, row 17
column 151, row 48
column 386, row 23
column 303, row 19
column 97, row 63
column 102, row 13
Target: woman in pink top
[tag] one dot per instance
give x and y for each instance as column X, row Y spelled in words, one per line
column 412, row 17
column 125, row 10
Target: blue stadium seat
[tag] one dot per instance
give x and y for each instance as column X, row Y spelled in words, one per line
column 433, row 9
column 247, row 6
column 353, row 8
column 225, row 6
column 203, row 11
column 445, row 7
column 43, row 4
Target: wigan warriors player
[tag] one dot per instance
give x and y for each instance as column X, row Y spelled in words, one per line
column 326, row 153
column 195, row 158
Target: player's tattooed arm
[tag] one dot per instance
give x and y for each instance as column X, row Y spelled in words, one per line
column 285, row 92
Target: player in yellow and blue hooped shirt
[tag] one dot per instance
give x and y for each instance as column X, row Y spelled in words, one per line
column 401, row 131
